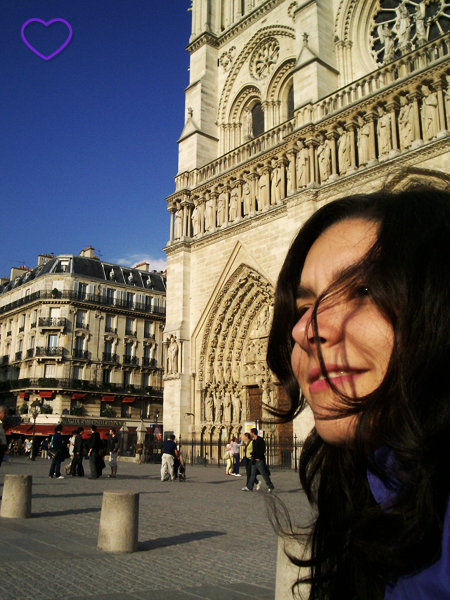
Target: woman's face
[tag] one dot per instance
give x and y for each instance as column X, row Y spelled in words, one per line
column 355, row 338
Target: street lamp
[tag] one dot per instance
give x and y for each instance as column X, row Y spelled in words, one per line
column 156, row 416
column 34, row 413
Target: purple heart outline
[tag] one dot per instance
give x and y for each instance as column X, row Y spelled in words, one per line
column 22, row 31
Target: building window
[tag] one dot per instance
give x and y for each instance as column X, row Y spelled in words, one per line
column 291, row 102
column 145, row 380
column 106, row 376
column 130, row 300
column 81, row 318
column 258, row 120
column 52, row 341
column 49, row 371
column 77, row 373
column 110, row 296
column 126, row 378
column 129, row 327
column 109, row 324
column 82, row 290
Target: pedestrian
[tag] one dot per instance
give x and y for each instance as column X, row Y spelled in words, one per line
column 28, row 446
column 113, row 450
column 236, row 449
column 95, row 447
column 139, row 450
column 170, row 451
column 258, row 462
column 44, row 448
column 248, row 459
column 228, row 460
column 56, row 448
column 77, row 469
column 360, row 333
column 68, row 468
column 3, row 442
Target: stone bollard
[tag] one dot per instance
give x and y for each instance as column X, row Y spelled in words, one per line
column 119, row 522
column 287, row 573
column 16, row 499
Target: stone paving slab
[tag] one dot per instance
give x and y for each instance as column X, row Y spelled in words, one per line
column 197, row 540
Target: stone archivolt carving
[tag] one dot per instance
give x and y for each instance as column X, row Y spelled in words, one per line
column 234, row 344
column 227, row 58
column 264, row 58
column 399, row 26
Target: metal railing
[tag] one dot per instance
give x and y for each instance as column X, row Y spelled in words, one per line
column 130, row 360
column 80, row 384
column 81, row 354
column 52, row 321
column 111, row 358
column 49, row 351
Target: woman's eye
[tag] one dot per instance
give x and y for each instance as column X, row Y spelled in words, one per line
column 362, row 291
column 301, row 310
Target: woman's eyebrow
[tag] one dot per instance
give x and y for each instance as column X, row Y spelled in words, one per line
column 304, row 292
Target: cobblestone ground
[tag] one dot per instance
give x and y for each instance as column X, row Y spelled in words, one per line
column 204, row 538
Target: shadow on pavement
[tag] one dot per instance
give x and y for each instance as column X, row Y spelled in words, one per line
column 175, row 540
column 65, row 513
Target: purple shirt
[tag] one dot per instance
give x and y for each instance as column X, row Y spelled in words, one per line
column 432, row 583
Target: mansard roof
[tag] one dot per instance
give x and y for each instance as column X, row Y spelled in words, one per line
column 91, row 268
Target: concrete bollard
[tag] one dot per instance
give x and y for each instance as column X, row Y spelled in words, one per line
column 16, row 499
column 119, row 522
column 287, row 573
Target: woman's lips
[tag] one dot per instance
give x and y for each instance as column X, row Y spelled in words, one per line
column 339, row 377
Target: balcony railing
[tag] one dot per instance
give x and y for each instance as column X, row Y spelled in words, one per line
column 79, row 384
column 81, row 325
column 21, row 328
column 8, row 333
column 130, row 332
column 30, row 352
column 18, row 355
column 56, row 322
column 108, row 357
column 4, row 360
column 46, row 351
column 88, row 298
column 130, row 360
column 109, row 329
column 149, row 362
column 149, row 336
column 80, row 354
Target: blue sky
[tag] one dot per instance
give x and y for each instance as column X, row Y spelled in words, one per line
column 88, row 146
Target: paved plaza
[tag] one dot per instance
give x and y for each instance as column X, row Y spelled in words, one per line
column 202, row 539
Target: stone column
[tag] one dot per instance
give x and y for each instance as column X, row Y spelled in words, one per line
column 283, row 163
column 291, row 184
column 438, row 86
column 414, row 98
column 214, row 196
column 119, row 522
column 172, row 211
column 201, row 205
column 392, row 107
column 16, row 497
column 351, row 126
column 312, row 143
column 253, row 178
column 226, row 190
column 370, row 118
column 332, row 136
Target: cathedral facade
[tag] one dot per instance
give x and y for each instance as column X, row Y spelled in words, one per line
column 291, row 104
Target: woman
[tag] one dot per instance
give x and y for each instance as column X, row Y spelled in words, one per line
column 57, row 450
column 361, row 333
column 228, row 459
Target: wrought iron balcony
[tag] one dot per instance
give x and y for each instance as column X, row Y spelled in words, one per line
column 80, row 354
column 77, row 384
column 5, row 360
column 130, row 332
column 130, row 360
column 148, row 362
column 149, row 336
column 87, row 298
column 109, row 329
column 18, row 355
column 50, row 322
column 30, row 352
column 49, row 351
column 21, row 328
column 111, row 358
column 81, row 325
column 8, row 333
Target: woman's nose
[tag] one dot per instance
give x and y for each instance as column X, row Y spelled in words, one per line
column 328, row 332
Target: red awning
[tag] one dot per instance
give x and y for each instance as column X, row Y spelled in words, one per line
column 128, row 399
column 108, row 398
column 24, row 395
column 27, row 429
column 46, row 394
column 78, row 396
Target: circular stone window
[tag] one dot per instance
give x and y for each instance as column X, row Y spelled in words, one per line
column 264, row 58
column 400, row 26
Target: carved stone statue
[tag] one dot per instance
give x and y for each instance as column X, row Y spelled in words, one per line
column 276, row 176
column 430, row 116
column 384, row 133
column 227, row 407
column 264, row 189
column 363, row 142
column 265, row 398
column 235, row 201
column 221, row 205
column 403, row 25
column 419, row 18
column 387, row 38
column 248, row 126
column 247, row 197
column 447, row 100
column 218, row 409
column 324, row 159
column 196, row 219
column 344, row 151
column 172, row 356
column 209, row 407
column 178, row 224
column 405, row 124
column 302, row 165
column 210, row 220
column 237, row 408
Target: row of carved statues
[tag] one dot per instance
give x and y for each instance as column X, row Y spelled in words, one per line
column 381, row 133
column 227, row 404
